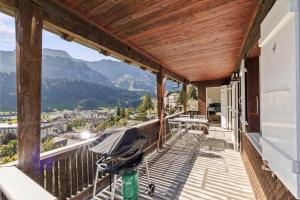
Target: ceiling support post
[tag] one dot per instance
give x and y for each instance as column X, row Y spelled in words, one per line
column 160, row 85
column 184, row 93
column 202, row 99
column 29, row 25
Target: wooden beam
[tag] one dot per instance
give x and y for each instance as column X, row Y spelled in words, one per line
column 171, row 75
column 62, row 21
column 29, row 26
column 184, row 91
column 202, row 99
column 254, row 31
column 212, row 83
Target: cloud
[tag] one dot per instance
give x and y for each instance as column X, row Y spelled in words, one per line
column 7, row 29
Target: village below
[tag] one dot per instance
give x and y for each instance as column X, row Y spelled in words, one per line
column 65, row 127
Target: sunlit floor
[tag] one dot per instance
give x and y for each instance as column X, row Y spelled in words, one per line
column 187, row 169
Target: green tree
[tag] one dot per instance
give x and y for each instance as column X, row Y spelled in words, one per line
column 118, row 111
column 69, row 128
column 6, row 137
column 180, row 99
column 9, row 150
column 128, row 112
column 172, row 111
column 141, row 113
column 192, row 93
column 47, row 145
column 123, row 114
column 78, row 122
column 122, row 122
column 147, row 103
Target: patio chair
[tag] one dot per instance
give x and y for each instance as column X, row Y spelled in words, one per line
column 197, row 130
column 199, row 116
column 185, row 127
column 173, row 126
column 184, row 115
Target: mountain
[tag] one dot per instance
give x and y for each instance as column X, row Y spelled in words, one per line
column 67, row 83
column 59, row 65
column 68, row 94
column 125, row 76
column 7, row 61
column 57, row 53
column 138, row 83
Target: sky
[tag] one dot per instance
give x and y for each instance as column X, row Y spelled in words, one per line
column 50, row 40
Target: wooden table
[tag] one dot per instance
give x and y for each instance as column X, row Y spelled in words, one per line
column 190, row 120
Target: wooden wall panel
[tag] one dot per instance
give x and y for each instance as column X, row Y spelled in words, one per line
column 253, row 98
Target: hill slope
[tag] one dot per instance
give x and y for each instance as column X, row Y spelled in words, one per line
column 119, row 73
column 59, row 65
column 68, row 94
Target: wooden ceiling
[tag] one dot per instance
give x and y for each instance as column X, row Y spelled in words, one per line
column 198, row 39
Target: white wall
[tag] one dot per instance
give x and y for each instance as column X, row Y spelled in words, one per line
column 213, row 93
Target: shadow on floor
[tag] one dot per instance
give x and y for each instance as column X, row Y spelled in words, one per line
column 187, row 169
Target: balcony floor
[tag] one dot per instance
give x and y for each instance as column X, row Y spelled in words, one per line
column 186, row 170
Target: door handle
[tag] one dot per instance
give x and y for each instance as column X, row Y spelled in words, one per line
column 257, row 105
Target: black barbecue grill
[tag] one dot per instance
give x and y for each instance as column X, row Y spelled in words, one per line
column 121, row 149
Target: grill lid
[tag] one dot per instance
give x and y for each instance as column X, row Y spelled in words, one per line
column 120, row 143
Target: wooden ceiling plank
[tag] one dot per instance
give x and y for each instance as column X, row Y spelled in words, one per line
column 195, row 31
column 196, row 39
column 254, row 29
column 176, row 33
column 175, row 12
column 58, row 19
column 201, row 20
column 142, row 11
column 119, row 11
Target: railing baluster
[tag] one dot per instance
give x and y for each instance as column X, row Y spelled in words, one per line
column 49, row 178
column 56, row 183
column 74, row 175
column 68, row 177
column 100, row 173
column 91, row 167
column 79, row 169
column 62, row 175
column 85, row 167
column 42, row 176
column 94, row 166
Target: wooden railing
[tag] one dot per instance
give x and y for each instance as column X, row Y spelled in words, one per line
column 68, row 172
column 15, row 184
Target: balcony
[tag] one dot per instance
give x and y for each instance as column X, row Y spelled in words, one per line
column 204, row 43
column 68, row 172
column 183, row 169
column 188, row 169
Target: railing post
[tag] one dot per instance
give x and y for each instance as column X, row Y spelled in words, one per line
column 29, row 24
column 202, row 99
column 184, row 91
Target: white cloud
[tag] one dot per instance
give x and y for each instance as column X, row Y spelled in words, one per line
column 7, row 29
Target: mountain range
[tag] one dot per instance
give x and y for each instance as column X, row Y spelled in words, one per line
column 70, row 83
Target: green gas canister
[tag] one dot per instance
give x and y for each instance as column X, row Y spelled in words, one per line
column 130, row 184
